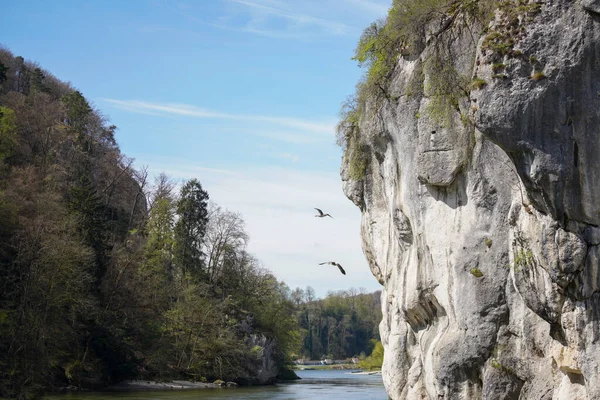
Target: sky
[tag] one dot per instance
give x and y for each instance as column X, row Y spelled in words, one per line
column 243, row 95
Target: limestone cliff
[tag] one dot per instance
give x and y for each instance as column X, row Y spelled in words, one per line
column 484, row 229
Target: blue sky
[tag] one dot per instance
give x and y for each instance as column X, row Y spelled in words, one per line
column 242, row 95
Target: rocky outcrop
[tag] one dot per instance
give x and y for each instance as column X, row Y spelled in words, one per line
column 485, row 235
column 262, row 362
column 135, row 386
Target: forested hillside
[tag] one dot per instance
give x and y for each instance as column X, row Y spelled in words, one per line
column 344, row 324
column 106, row 274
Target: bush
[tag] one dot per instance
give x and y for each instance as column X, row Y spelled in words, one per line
column 538, row 75
column 478, row 83
column 476, row 272
column 359, row 159
column 375, row 360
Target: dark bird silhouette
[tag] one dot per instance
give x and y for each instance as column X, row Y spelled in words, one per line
column 336, row 264
column 321, row 215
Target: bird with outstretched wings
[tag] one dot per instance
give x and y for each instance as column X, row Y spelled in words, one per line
column 321, row 214
column 336, row 264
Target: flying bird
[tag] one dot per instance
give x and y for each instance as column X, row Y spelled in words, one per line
column 336, row 264
column 321, row 215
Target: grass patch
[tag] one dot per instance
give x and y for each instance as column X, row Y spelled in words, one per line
column 513, row 15
column 497, row 67
column 445, row 88
column 538, row 75
column 521, row 259
column 478, row 83
column 502, row 368
column 476, row 272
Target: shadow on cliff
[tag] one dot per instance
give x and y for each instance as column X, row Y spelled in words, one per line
column 454, row 195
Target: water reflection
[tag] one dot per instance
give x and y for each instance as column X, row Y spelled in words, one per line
column 314, row 384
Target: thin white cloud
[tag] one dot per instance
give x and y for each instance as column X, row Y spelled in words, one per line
column 292, row 20
column 264, row 13
column 290, row 137
column 142, row 107
column 288, row 156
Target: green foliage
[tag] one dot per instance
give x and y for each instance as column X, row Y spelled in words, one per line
column 97, row 284
column 340, row 326
column 375, row 51
column 538, row 75
column 488, row 242
column 192, row 210
column 47, row 279
column 160, row 245
column 38, row 83
column 494, row 363
column 498, row 43
column 359, row 158
column 8, row 130
column 91, row 213
column 497, row 67
column 495, row 360
column 403, row 33
column 348, row 136
column 513, row 16
column 445, row 89
column 78, row 113
column 276, row 317
column 201, row 346
column 3, row 70
column 347, row 129
column 522, row 258
column 478, row 83
column 375, row 360
column 476, row 272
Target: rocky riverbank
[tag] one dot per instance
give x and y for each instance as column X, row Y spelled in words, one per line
column 173, row 385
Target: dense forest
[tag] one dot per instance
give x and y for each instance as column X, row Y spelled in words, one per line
column 107, row 273
column 344, row 324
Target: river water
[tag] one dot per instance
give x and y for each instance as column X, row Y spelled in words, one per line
column 314, row 384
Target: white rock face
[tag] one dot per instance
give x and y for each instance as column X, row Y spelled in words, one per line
column 486, row 239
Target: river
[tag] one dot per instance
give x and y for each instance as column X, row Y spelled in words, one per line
column 314, row 384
